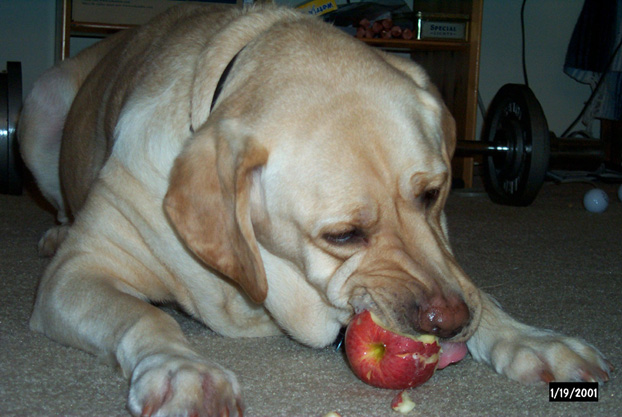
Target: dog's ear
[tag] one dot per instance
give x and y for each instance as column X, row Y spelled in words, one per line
column 208, row 202
column 422, row 79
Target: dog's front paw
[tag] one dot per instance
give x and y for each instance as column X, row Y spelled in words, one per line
column 164, row 385
column 537, row 355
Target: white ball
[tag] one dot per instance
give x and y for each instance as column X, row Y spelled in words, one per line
column 596, row 200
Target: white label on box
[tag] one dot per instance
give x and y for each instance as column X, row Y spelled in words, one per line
column 442, row 30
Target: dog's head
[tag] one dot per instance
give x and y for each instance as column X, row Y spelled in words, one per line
column 318, row 185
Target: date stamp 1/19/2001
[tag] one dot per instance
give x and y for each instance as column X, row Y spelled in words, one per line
column 573, row 391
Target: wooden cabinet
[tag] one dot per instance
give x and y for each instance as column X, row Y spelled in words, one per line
column 453, row 65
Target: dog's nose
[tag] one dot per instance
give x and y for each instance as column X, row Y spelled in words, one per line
column 443, row 316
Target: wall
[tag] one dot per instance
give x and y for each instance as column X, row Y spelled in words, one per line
column 27, row 35
column 27, row 30
column 549, row 25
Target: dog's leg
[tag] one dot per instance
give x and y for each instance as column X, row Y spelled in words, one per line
column 51, row 240
column 40, row 131
column 83, row 306
column 528, row 354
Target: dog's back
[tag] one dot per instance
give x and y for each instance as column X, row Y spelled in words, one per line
column 56, row 110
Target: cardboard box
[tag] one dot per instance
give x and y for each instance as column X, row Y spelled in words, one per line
column 128, row 12
column 318, row 7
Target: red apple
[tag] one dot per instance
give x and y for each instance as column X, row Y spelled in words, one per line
column 388, row 359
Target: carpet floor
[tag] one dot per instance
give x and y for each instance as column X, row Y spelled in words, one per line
column 552, row 264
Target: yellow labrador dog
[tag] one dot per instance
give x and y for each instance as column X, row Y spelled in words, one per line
column 237, row 163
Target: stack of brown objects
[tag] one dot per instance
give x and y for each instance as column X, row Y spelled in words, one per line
column 384, row 29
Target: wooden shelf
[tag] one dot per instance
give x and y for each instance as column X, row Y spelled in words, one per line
column 88, row 28
column 418, row 45
column 103, row 29
column 453, row 65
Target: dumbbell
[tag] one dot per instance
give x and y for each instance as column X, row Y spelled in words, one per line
column 10, row 105
column 518, row 149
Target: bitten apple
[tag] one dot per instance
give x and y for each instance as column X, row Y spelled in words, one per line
column 402, row 403
column 388, row 359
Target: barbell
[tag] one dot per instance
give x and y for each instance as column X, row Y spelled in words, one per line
column 518, row 149
column 516, row 146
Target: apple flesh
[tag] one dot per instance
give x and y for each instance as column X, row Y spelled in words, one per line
column 388, row 359
column 402, row 403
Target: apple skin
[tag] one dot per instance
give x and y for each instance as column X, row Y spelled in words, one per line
column 387, row 359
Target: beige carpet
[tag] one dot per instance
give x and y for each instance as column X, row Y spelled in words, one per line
column 552, row 264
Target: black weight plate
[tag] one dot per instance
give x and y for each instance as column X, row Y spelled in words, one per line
column 4, row 133
column 515, row 121
column 10, row 105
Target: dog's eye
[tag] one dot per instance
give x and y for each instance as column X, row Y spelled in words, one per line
column 430, row 196
column 345, row 238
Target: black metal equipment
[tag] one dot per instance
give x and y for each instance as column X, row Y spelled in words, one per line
column 518, row 150
column 10, row 105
